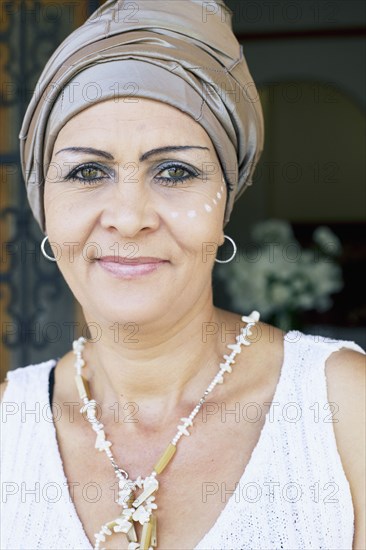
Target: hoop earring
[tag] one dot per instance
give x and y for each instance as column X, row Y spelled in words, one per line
column 44, row 252
column 232, row 255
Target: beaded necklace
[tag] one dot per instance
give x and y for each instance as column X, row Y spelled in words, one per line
column 140, row 508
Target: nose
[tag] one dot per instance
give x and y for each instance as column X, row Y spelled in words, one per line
column 130, row 207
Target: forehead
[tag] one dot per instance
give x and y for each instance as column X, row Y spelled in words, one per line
column 123, row 117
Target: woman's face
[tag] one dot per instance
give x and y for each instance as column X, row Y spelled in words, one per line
column 142, row 180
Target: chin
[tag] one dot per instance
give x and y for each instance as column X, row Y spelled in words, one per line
column 142, row 308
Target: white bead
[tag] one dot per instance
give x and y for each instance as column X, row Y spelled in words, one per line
column 186, row 421
column 235, row 347
column 252, row 317
column 97, row 426
column 226, row 368
column 101, row 443
column 183, row 430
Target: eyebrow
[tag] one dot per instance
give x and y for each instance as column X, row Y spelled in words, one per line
column 144, row 156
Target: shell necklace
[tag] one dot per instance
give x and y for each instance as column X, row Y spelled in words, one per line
column 139, row 508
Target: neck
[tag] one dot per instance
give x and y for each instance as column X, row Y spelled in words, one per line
column 160, row 369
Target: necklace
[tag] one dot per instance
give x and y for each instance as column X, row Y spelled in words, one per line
column 140, row 508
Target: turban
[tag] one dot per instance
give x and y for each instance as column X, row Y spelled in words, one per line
column 181, row 52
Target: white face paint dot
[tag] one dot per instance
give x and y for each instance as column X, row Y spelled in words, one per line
column 218, row 195
column 213, row 200
column 208, row 208
column 174, row 214
column 222, row 188
column 191, row 213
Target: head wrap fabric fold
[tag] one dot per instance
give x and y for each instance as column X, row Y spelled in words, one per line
column 180, row 52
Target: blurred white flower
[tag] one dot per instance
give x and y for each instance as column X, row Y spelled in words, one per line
column 279, row 293
column 272, row 231
column 327, row 241
column 282, row 277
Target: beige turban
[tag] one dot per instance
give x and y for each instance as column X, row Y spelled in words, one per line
column 181, row 52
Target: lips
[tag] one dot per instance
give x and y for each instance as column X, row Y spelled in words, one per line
column 130, row 268
column 126, row 260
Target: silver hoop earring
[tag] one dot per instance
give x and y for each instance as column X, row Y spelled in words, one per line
column 44, row 252
column 232, row 255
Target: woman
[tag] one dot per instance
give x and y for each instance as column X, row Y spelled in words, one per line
column 205, row 447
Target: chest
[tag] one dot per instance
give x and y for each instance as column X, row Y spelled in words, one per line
column 193, row 490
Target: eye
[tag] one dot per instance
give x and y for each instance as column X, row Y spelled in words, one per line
column 88, row 173
column 175, row 174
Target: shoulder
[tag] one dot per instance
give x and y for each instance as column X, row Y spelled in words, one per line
column 25, row 376
column 346, row 380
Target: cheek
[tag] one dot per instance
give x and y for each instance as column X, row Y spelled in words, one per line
column 196, row 221
column 65, row 211
column 68, row 223
column 204, row 207
column 54, row 208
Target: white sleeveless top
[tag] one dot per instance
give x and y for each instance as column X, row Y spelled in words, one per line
column 293, row 494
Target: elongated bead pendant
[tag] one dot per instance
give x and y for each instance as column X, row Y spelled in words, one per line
column 146, row 536
column 82, row 386
column 154, row 531
column 131, row 535
column 165, row 458
column 149, row 488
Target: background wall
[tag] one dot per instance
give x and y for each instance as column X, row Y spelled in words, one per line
column 308, row 60
column 306, row 57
